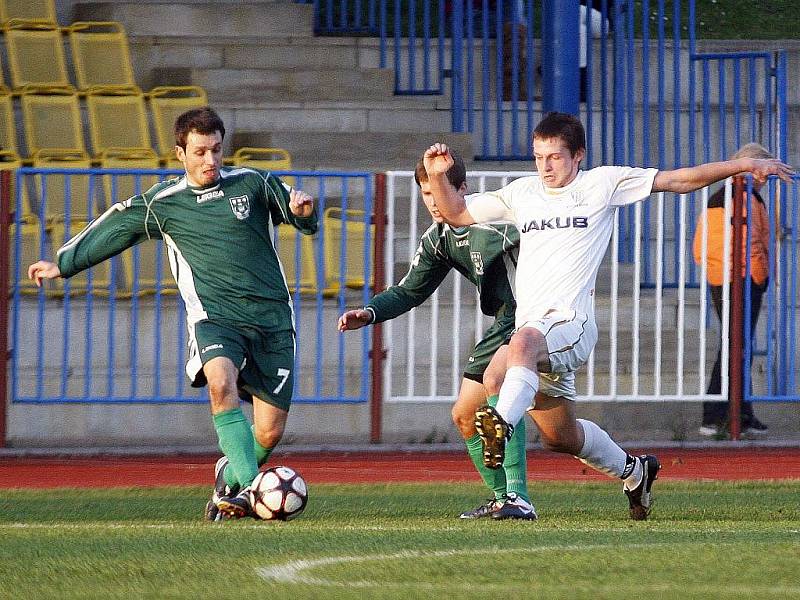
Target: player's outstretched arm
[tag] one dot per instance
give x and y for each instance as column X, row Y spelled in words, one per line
column 354, row 319
column 300, row 203
column 689, row 179
column 451, row 205
column 43, row 269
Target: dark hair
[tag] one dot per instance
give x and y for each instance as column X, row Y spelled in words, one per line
column 564, row 126
column 202, row 120
column 456, row 175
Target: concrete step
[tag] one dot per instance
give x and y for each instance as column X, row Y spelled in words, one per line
column 220, row 19
column 351, row 151
column 257, row 86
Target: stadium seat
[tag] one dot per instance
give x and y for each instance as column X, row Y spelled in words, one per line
column 301, row 272
column 101, row 56
column 121, row 187
column 142, row 277
column 117, row 121
column 36, row 56
column 52, row 119
column 8, row 132
column 62, row 197
column 166, row 103
column 97, row 280
column 267, row 159
column 335, row 228
column 30, row 11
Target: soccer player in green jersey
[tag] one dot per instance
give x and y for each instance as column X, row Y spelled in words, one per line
column 218, row 224
column 486, row 255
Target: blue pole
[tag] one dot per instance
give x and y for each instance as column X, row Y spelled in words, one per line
column 560, row 60
column 457, row 93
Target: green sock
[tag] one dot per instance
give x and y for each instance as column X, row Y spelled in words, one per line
column 236, row 442
column 515, row 466
column 262, row 454
column 495, row 479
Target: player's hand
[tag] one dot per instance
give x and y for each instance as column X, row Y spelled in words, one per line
column 437, row 159
column 764, row 167
column 300, row 203
column 43, row 269
column 354, row 319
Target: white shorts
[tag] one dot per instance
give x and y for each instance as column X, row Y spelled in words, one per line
column 570, row 338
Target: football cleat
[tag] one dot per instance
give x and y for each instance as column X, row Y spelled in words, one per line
column 484, row 510
column 640, row 498
column 515, row 507
column 238, row 506
column 221, row 489
column 494, row 433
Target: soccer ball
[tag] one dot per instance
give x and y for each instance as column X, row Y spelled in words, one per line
column 278, row 494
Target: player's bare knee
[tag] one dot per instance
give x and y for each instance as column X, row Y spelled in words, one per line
column 493, row 381
column 465, row 423
column 268, row 436
column 222, row 394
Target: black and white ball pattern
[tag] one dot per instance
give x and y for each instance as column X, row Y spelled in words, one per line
column 279, row 494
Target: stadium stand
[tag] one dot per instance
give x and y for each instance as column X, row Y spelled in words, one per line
column 300, row 268
column 268, row 159
column 30, row 11
column 97, row 280
column 353, row 229
column 36, row 56
column 8, row 132
column 166, row 103
column 122, row 187
column 101, row 56
column 65, row 198
column 33, row 245
column 140, row 274
column 117, row 120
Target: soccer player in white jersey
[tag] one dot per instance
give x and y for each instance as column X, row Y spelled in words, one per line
column 565, row 217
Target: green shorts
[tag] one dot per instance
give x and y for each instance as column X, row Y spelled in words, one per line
column 497, row 335
column 265, row 359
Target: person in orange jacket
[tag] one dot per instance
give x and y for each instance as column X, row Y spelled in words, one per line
column 715, row 413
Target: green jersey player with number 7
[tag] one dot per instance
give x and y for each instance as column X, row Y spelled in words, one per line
column 218, row 224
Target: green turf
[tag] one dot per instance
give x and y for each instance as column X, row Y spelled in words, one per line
column 705, row 540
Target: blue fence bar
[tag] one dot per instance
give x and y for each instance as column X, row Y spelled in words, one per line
column 118, row 334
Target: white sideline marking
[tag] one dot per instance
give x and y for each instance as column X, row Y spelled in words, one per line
column 291, row 572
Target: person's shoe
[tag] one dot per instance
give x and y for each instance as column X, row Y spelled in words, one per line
column 515, row 508
column 494, row 433
column 754, row 427
column 709, row 430
column 484, row 510
column 236, row 507
column 221, row 489
column 640, row 498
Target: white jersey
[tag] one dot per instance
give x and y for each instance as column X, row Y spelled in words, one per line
column 564, row 233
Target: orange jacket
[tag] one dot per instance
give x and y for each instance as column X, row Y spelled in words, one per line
column 759, row 243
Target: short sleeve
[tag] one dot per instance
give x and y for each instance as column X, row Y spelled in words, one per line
column 491, row 207
column 631, row 184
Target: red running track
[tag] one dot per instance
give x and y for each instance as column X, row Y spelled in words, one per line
column 378, row 467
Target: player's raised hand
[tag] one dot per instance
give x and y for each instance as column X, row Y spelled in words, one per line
column 437, row 159
column 43, row 269
column 300, row 203
column 764, row 167
column 354, row 319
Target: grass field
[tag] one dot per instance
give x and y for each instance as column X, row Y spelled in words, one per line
column 704, row 540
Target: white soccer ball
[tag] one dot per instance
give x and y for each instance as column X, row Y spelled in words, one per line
column 278, row 494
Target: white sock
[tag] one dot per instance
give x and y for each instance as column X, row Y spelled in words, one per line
column 602, row 453
column 517, row 394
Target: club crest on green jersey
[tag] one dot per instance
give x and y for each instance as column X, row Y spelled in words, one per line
column 240, row 205
column 477, row 260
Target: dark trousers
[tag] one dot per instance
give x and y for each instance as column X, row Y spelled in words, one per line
column 716, row 413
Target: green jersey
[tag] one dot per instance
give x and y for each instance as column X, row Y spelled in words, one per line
column 219, row 240
column 485, row 254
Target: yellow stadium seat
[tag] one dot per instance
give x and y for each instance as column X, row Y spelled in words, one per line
column 166, row 104
column 141, row 274
column 266, row 159
column 101, row 56
column 97, row 280
column 65, row 197
column 52, row 119
column 36, row 56
column 121, row 187
column 301, row 272
column 334, row 229
column 8, row 132
column 117, row 121
column 35, row 11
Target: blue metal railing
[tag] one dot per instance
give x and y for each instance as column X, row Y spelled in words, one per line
column 115, row 340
